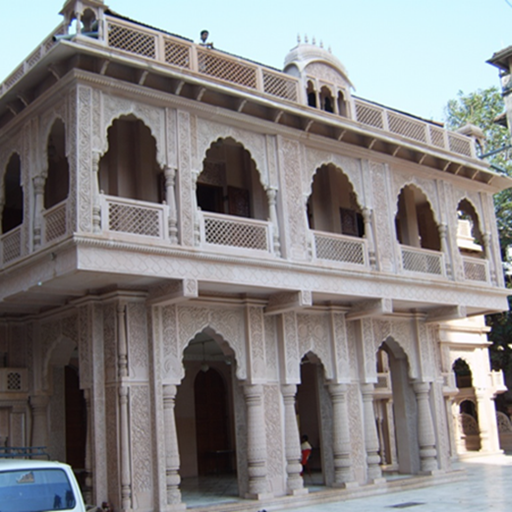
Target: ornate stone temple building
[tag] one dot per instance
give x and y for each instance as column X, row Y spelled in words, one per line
column 203, row 258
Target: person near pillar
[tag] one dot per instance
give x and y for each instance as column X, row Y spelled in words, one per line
column 305, row 448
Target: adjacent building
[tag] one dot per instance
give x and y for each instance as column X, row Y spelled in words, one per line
column 203, row 258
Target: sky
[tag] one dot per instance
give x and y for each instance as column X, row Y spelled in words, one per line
column 411, row 55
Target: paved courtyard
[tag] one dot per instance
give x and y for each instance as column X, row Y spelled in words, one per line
column 486, row 485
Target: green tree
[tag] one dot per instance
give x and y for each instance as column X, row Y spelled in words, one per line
column 481, row 108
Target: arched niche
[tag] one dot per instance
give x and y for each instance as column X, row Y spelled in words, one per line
column 333, row 204
column 326, row 99
column 415, row 220
column 311, row 94
column 469, row 234
column 12, row 212
column 56, row 188
column 129, row 168
column 229, row 182
column 463, row 374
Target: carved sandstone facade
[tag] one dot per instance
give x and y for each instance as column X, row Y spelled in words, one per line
column 203, row 258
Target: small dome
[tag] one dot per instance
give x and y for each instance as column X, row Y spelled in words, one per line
column 310, row 58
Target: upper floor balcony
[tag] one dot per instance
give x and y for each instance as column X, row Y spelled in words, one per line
column 148, row 46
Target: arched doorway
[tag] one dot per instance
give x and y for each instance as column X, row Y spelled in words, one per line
column 404, row 410
column 205, row 422
column 311, row 393
column 465, row 409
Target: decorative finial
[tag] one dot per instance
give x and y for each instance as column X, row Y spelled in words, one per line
column 306, row 38
column 314, row 40
column 321, row 44
column 330, row 50
column 298, row 38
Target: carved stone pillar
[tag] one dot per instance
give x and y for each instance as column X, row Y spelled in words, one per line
column 271, row 195
column 483, row 425
column 486, row 239
column 295, row 484
column 371, row 439
column 38, row 210
column 368, row 234
column 172, row 455
column 443, row 237
column 170, row 197
column 343, row 473
column 39, row 406
column 256, row 443
column 125, row 452
column 88, row 449
column 18, row 425
column 426, row 435
column 197, row 227
column 96, row 207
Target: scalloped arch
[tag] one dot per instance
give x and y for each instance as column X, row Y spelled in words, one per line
column 327, row 374
column 252, row 142
column 142, row 114
column 250, row 155
column 46, row 128
column 58, row 354
column 400, row 351
column 349, row 167
column 221, row 339
column 5, row 158
column 415, row 184
column 476, row 208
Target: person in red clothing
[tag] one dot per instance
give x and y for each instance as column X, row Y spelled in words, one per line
column 306, row 451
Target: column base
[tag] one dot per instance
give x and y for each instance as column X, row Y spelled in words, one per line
column 297, row 492
column 431, row 472
column 345, row 485
column 376, row 481
column 176, row 507
column 259, row 496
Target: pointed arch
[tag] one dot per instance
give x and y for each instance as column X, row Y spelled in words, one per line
column 58, row 354
column 47, row 125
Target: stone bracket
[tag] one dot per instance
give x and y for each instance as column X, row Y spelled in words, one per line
column 370, row 308
column 287, row 302
column 173, row 293
column 446, row 313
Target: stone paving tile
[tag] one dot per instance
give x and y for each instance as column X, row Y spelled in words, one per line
column 486, row 487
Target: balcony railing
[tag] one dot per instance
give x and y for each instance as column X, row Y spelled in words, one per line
column 475, row 269
column 422, row 261
column 410, row 127
column 342, row 248
column 144, row 42
column 129, row 216
column 55, row 222
column 230, row 231
column 11, row 245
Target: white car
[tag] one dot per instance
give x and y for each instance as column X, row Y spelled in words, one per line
column 38, row 486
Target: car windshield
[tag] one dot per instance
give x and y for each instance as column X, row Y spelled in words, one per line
column 35, row 490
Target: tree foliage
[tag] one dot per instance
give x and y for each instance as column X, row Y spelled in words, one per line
column 481, row 109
